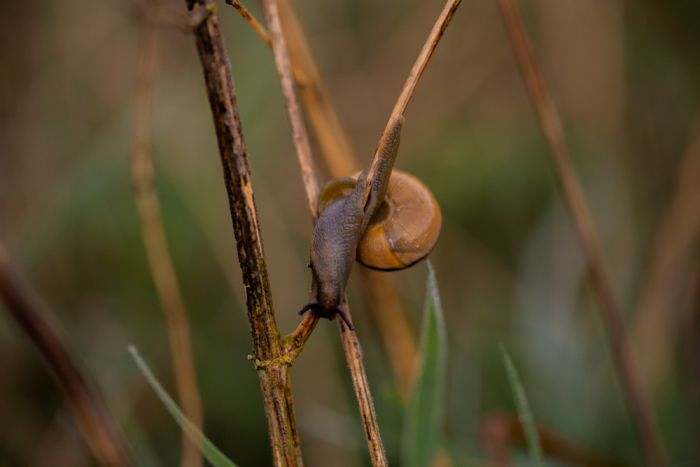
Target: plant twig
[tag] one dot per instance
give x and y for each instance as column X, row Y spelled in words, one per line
column 273, row 370
column 335, row 146
column 353, row 354
column 403, row 366
column 333, row 142
column 397, row 336
column 259, row 28
column 95, row 422
column 588, row 238
column 294, row 343
column 657, row 311
column 156, row 245
column 501, row 430
column 351, row 345
column 301, row 138
column 421, row 62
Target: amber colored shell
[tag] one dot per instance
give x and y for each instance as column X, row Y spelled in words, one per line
column 406, row 227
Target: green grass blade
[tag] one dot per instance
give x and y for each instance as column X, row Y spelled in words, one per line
column 425, row 409
column 523, row 406
column 210, row 452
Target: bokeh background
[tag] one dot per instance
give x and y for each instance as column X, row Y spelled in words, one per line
column 626, row 78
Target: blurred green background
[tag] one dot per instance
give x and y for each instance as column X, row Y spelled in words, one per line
column 626, row 78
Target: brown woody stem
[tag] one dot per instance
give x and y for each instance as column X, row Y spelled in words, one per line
column 587, row 236
column 301, row 138
column 332, row 139
column 273, row 370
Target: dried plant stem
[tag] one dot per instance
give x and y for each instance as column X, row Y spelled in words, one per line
column 155, row 241
column 340, row 159
column 657, row 313
column 403, row 359
column 397, row 336
column 351, row 345
column 97, row 425
column 259, row 28
column 301, row 138
column 335, row 146
column 332, row 140
column 500, row 431
column 269, row 357
column 294, row 343
column 421, row 62
column 587, row 236
column 353, row 354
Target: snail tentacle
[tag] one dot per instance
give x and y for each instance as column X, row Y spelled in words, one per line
column 345, row 318
column 312, row 303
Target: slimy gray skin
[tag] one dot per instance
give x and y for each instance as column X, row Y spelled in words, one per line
column 340, row 228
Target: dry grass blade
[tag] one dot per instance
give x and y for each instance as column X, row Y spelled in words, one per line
column 273, row 369
column 301, row 138
column 353, row 354
column 421, row 62
column 657, row 316
column 587, row 236
column 501, row 430
column 98, row 427
column 155, row 241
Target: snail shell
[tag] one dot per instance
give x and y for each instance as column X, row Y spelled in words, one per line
column 405, row 228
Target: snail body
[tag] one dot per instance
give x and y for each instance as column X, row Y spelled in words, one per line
column 391, row 224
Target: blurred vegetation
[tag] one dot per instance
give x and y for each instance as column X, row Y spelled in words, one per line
column 625, row 76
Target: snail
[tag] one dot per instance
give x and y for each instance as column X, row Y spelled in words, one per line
column 393, row 225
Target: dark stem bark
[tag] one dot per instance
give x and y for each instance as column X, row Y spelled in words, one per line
column 269, row 356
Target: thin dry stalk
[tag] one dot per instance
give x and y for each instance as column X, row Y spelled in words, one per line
column 332, row 139
column 259, row 28
column 269, row 357
column 294, row 343
column 421, row 62
column 588, row 238
column 397, row 336
column 394, row 329
column 96, row 424
column 156, row 245
column 657, row 316
column 301, row 138
column 403, row 359
column 500, row 431
column 351, row 345
column 353, row 354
